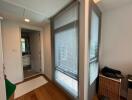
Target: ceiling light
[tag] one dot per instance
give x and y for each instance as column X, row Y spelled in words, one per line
column 96, row 1
column 27, row 20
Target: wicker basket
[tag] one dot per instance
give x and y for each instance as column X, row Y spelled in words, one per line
column 109, row 87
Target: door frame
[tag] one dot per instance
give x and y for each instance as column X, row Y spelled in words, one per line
column 41, row 49
column 3, row 88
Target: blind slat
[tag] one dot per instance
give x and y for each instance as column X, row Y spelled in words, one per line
column 66, row 50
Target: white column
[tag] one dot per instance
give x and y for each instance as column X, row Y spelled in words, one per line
column 2, row 81
column 84, row 51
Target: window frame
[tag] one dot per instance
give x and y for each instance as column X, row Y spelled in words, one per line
column 94, row 7
column 67, row 26
column 63, row 28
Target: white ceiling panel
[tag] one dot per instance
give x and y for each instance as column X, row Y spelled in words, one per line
column 38, row 11
column 7, row 8
column 45, row 7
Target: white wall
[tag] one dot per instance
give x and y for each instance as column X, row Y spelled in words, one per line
column 116, row 39
column 84, row 51
column 11, row 46
column 2, row 81
column 47, row 51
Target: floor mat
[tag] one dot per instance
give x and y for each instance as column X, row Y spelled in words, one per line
column 28, row 86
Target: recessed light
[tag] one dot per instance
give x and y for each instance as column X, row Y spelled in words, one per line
column 27, row 20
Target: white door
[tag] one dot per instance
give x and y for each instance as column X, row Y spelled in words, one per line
column 2, row 82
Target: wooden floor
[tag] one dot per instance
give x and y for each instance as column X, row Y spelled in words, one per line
column 29, row 73
column 46, row 92
column 96, row 98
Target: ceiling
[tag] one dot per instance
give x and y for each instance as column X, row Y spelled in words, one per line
column 38, row 11
column 107, row 5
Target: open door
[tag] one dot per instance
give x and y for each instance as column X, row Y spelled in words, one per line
column 2, row 80
column 35, row 46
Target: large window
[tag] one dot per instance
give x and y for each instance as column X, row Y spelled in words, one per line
column 65, row 33
column 94, row 44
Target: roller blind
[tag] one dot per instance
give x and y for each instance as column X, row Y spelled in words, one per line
column 66, row 17
column 66, row 41
column 66, row 51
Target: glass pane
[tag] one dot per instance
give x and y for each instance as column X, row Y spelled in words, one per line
column 66, row 51
column 93, row 71
column 67, row 82
column 94, row 35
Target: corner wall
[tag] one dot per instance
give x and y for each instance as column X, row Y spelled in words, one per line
column 47, row 51
column 116, row 39
column 11, row 34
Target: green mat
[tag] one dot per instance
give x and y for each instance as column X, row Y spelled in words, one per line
column 10, row 88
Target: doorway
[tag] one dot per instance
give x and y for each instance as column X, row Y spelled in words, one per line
column 31, row 52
